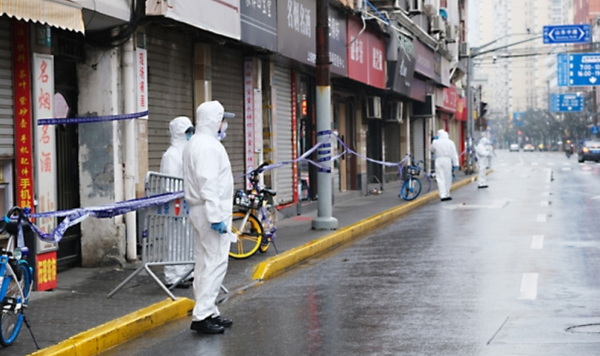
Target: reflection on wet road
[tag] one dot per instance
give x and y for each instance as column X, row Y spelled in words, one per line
column 498, row 271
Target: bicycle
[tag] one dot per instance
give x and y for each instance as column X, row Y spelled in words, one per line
column 412, row 186
column 16, row 279
column 253, row 223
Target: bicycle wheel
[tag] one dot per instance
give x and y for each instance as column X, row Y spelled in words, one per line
column 249, row 236
column 411, row 191
column 266, row 241
column 11, row 318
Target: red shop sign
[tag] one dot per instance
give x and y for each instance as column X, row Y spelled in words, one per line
column 366, row 55
column 22, row 100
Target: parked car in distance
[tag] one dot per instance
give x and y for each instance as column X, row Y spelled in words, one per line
column 589, row 151
column 513, row 147
column 528, row 148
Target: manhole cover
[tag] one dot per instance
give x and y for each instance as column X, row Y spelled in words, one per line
column 590, row 328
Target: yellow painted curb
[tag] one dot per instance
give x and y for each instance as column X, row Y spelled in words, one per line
column 103, row 337
column 277, row 264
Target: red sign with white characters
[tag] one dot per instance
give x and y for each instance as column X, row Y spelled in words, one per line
column 23, row 130
column 366, row 55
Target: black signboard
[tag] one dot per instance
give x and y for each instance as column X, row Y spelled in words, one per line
column 401, row 71
column 338, row 52
column 259, row 23
column 296, row 30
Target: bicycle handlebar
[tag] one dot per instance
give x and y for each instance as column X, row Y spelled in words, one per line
column 15, row 210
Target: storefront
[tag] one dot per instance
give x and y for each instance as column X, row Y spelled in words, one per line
column 294, row 93
column 401, row 65
column 367, row 65
column 423, row 113
column 7, row 134
column 170, row 85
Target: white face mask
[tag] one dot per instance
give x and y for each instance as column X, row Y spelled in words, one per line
column 221, row 134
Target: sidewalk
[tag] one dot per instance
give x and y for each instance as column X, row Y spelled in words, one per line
column 79, row 302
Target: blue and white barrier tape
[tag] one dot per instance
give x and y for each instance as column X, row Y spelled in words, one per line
column 89, row 119
column 75, row 216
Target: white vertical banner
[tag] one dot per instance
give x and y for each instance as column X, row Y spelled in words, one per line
column 249, row 119
column 44, row 144
column 258, row 127
column 141, row 80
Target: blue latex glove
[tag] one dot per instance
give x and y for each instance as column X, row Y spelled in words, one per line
column 221, row 228
column 455, row 168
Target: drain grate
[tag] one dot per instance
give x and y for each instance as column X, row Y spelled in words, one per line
column 589, row 328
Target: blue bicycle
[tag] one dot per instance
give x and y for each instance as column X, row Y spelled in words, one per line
column 412, row 186
column 15, row 278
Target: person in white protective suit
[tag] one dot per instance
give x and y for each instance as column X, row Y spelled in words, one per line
column 181, row 130
column 446, row 158
column 208, row 184
column 484, row 153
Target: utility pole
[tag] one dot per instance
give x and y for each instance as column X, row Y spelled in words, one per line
column 324, row 220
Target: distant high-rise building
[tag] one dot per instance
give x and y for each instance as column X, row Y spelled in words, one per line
column 521, row 77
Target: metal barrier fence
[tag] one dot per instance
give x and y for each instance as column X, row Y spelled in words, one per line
column 167, row 236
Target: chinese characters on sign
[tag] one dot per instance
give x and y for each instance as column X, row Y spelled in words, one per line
column 299, row 17
column 249, row 119
column 261, row 5
column 141, row 70
column 294, row 139
column 578, row 69
column 296, row 21
column 22, row 101
column 338, row 52
column 45, row 147
column 46, row 271
column 366, row 55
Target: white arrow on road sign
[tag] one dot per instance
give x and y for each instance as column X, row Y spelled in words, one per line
column 593, row 80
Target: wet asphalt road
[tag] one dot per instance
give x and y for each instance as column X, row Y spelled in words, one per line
column 499, row 271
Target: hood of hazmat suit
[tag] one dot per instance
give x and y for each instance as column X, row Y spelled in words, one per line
column 207, row 171
column 172, row 160
column 445, row 158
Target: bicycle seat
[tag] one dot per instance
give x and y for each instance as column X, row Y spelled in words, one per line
column 270, row 192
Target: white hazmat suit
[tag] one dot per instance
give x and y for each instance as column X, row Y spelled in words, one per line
column 172, row 165
column 446, row 157
column 209, row 192
column 484, row 152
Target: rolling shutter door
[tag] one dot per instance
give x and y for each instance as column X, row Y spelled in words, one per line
column 228, row 88
column 283, row 134
column 417, row 133
column 170, row 92
column 7, row 133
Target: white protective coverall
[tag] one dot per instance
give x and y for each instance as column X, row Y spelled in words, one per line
column 446, row 157
column 209, row 192
column 172, row 165
column 483, row 155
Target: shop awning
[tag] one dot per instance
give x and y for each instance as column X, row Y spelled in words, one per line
column 56, row 13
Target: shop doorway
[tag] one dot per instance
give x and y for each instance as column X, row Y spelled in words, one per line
column 67, row 153
column 305, row 111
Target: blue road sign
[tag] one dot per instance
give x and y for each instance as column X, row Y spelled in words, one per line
column 595, row 130
column 578, row 69
column 518, row 119
column 572, row 102
column 567, row 34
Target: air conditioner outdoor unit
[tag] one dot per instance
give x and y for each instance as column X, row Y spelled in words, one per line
column 451, row 34
column 373, row 107
column 437, row 24
column 415, row 6
column 395, row 112
column 464, row 49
